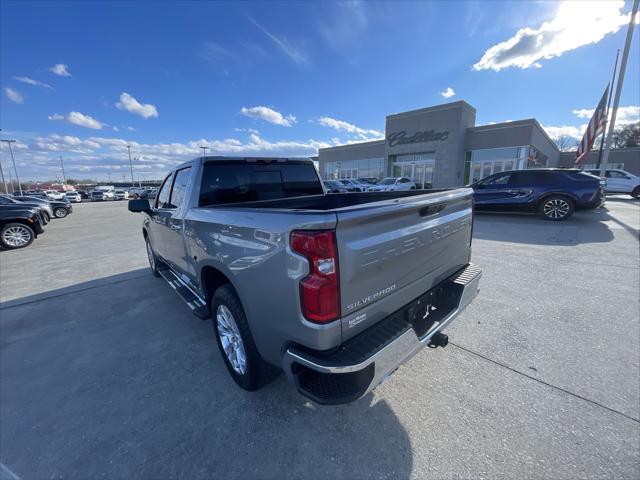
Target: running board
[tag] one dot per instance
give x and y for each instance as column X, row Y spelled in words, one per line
column 197, row 304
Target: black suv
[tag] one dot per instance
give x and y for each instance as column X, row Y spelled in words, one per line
column 554, row 193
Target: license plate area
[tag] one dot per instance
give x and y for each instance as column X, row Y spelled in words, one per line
column 427, row 311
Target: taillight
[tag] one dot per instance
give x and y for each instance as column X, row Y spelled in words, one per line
column 320, row 289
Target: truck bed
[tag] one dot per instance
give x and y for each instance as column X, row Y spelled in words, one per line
column 330, row 201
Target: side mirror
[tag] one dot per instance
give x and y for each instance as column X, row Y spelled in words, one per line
column 139, row 205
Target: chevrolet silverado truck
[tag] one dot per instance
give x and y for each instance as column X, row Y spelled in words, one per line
column 336, row 291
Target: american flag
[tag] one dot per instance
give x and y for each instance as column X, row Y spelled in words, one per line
column 596, row 126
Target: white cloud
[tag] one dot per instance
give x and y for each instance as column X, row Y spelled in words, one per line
column 14, row 95
column 97, row 156
column 131, row 129
column 268, row 115
column 625, row 115
column 116, row 129
column 556, row 132
column 77, row 118
column 130, row 104
column 294, row 53
column 31, row 81
column 61, row 69
column 575, row 24
column 448, row 93
column 342, row 126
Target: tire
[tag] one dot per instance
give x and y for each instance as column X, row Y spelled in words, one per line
column 240, row 355
column 151, row 256
column 60, row 212
column 47, row 217
column 557, row 208
column 636, row 192
column 16, row 235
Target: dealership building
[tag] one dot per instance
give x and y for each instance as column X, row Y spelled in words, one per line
column 441, row 146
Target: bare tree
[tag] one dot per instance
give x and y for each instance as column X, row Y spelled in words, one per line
column 566, row 143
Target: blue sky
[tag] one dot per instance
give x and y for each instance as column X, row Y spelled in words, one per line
column 83, row 80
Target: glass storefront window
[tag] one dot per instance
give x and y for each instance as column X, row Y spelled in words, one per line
column 367, row 167
column 488, row 161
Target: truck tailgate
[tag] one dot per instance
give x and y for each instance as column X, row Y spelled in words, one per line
column 392, row 252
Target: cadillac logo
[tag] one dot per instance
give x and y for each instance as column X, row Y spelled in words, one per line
column 400, row 138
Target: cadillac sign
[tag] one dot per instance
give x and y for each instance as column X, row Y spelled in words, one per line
column 400, row 138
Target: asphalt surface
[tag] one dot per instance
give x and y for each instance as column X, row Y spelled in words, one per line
column 104, row 373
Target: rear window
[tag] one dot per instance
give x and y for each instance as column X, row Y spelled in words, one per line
column 230, row 182
column 523, row 177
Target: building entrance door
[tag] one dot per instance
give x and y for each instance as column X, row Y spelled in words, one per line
column 420, row 172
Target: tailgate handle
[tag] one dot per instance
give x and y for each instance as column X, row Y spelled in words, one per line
column 431, row 209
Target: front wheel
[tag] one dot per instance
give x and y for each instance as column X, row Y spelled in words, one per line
column 636, row 192
column 16, row 235
column 60, row 212
column 235, row 342
column 151, row 256
column 557, row 208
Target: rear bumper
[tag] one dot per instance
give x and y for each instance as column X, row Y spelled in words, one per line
column 360, row 364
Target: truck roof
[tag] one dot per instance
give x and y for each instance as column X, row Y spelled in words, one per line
column 223, row 158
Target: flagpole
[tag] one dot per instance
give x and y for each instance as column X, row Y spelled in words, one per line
column 604, row 130
column 616, row 101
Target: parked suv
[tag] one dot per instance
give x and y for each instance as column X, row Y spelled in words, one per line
column 553, row 193
column 620, row 181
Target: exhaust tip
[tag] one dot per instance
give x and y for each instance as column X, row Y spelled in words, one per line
column 439, row 340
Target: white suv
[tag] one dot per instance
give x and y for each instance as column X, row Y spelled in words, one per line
column 619, row 181
column 392, row 184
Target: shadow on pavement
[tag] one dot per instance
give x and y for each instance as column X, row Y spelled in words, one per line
column 117, row 379
column 582, row 227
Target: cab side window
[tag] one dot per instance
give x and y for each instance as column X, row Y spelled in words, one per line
column 179, row 187
column 163, row 195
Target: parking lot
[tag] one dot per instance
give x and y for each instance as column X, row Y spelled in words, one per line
column 105, row 373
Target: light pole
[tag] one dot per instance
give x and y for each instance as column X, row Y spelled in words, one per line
column 137, row 160
column 64, row 178
column 4, row 182
column 9, row 142
column 204, row 151
column 131, row 165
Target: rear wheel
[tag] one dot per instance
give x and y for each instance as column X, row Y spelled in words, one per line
column 235, row 342
column 557, row 208
column 16, row 235
column 636, row 192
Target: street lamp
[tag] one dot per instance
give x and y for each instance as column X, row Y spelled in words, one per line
column 137, row 159
column 9, row 142
column 64, row 178
column 131, row 165
column 204, row 151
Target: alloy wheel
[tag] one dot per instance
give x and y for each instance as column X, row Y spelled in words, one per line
column 60, row 213
column 16, row 236
column 231, row 341
column 556, row 208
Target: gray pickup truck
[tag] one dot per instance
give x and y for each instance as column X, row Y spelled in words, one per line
column 335, row 290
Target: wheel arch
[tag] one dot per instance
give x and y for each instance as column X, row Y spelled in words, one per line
column 568, row 195
column 211, row 278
